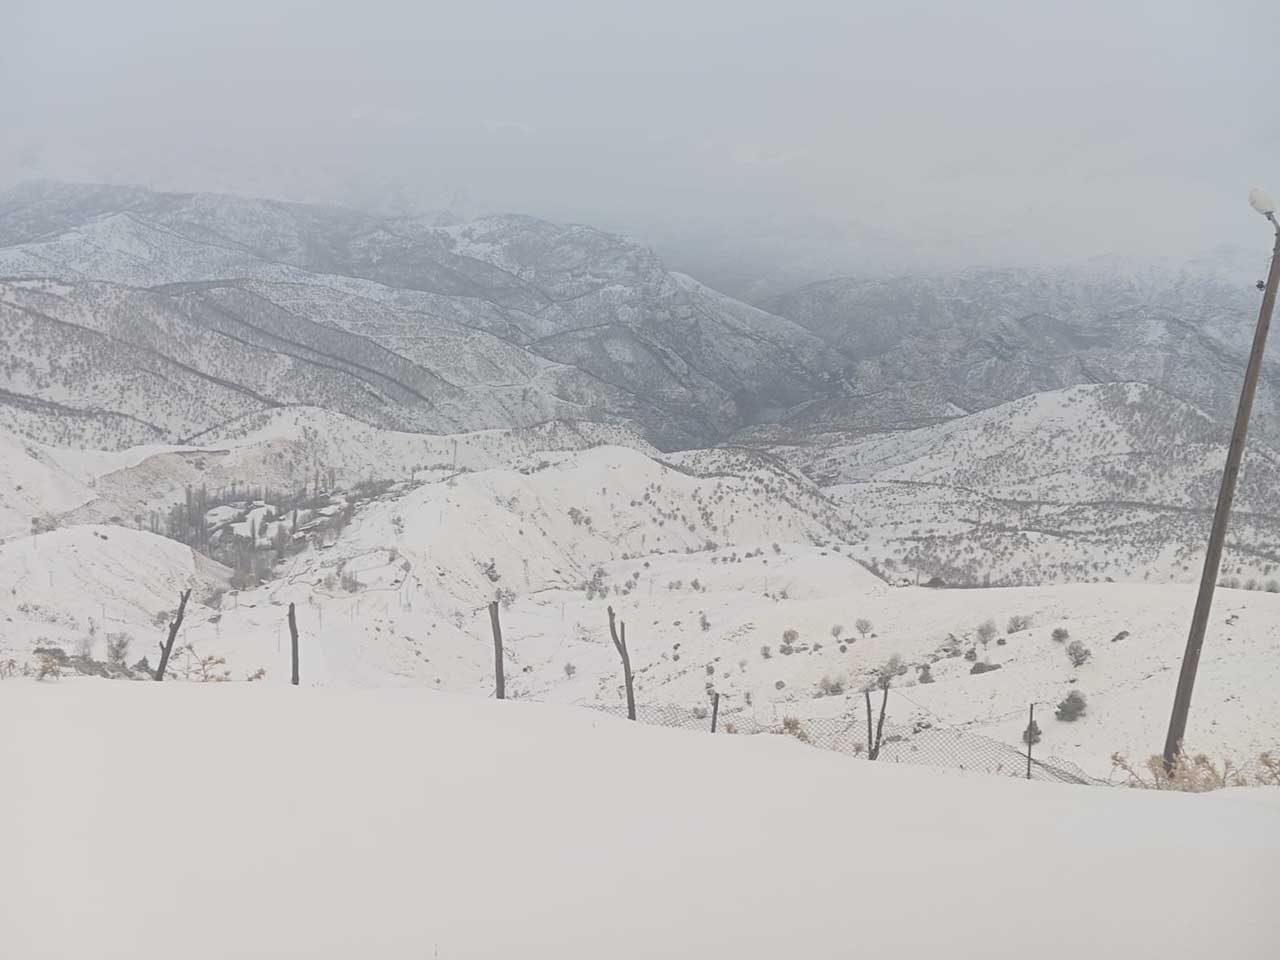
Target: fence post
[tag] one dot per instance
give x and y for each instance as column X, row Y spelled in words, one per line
column 1031, row 719
column 166, row 648
column 619, row 635
column 715, row 710
column 884, row 702
column 866, row 693
column 499, row 679
column 293, row 641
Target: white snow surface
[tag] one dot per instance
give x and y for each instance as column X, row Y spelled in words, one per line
column 239, row 821
column 689, row 561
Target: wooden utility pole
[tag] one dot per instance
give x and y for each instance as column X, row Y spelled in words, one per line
column 1221, row 516
column 619, row 635
column 500, row 683
column 293, row 639
column 166, row 648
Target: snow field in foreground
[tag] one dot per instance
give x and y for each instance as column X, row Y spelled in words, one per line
column 244, row 821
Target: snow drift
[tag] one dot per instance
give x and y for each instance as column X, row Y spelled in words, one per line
column 160, row 820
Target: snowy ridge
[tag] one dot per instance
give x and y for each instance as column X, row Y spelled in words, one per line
column 230, row 306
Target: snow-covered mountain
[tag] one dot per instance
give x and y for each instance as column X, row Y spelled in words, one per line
column 132, row 317
column 924, row 348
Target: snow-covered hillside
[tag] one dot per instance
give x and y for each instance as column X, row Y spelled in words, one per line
column 281, row 450
column 390, row 423
column 33, row 485
column 1111, row 481
column 241, row 821
column 733, row 576
column 192, row 310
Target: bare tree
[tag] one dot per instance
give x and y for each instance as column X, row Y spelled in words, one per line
column 986, row 632
column 862, row 625
column 293, row 642
column 166, row 648
column 499, row 678
column 619, row 634
column 883, row 680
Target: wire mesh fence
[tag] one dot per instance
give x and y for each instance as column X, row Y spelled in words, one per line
column 921, row 743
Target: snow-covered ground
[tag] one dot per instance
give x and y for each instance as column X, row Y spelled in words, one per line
column 710, row 573
column 234, row 820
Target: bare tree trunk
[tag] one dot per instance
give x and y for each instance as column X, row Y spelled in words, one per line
column 715, row 711
column 619, row 635
column 166, row 648
column 498, row 677
column 870, row 739
column 880, row 723
column 293, row 640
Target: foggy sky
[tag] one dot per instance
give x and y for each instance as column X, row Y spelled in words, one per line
column 976, row 131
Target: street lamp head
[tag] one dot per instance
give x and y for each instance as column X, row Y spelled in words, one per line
column 1262, row 202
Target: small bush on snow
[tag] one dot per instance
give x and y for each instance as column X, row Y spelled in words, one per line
column 829, row 687
column 1072, row 707
column 1078, row 653
column 1031, row 735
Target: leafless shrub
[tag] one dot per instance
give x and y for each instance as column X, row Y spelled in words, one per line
column 792, row 728
column 202, row 669
column 118, row 648
column 1195, row 774
column 48, row 666
column 1078, row 653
